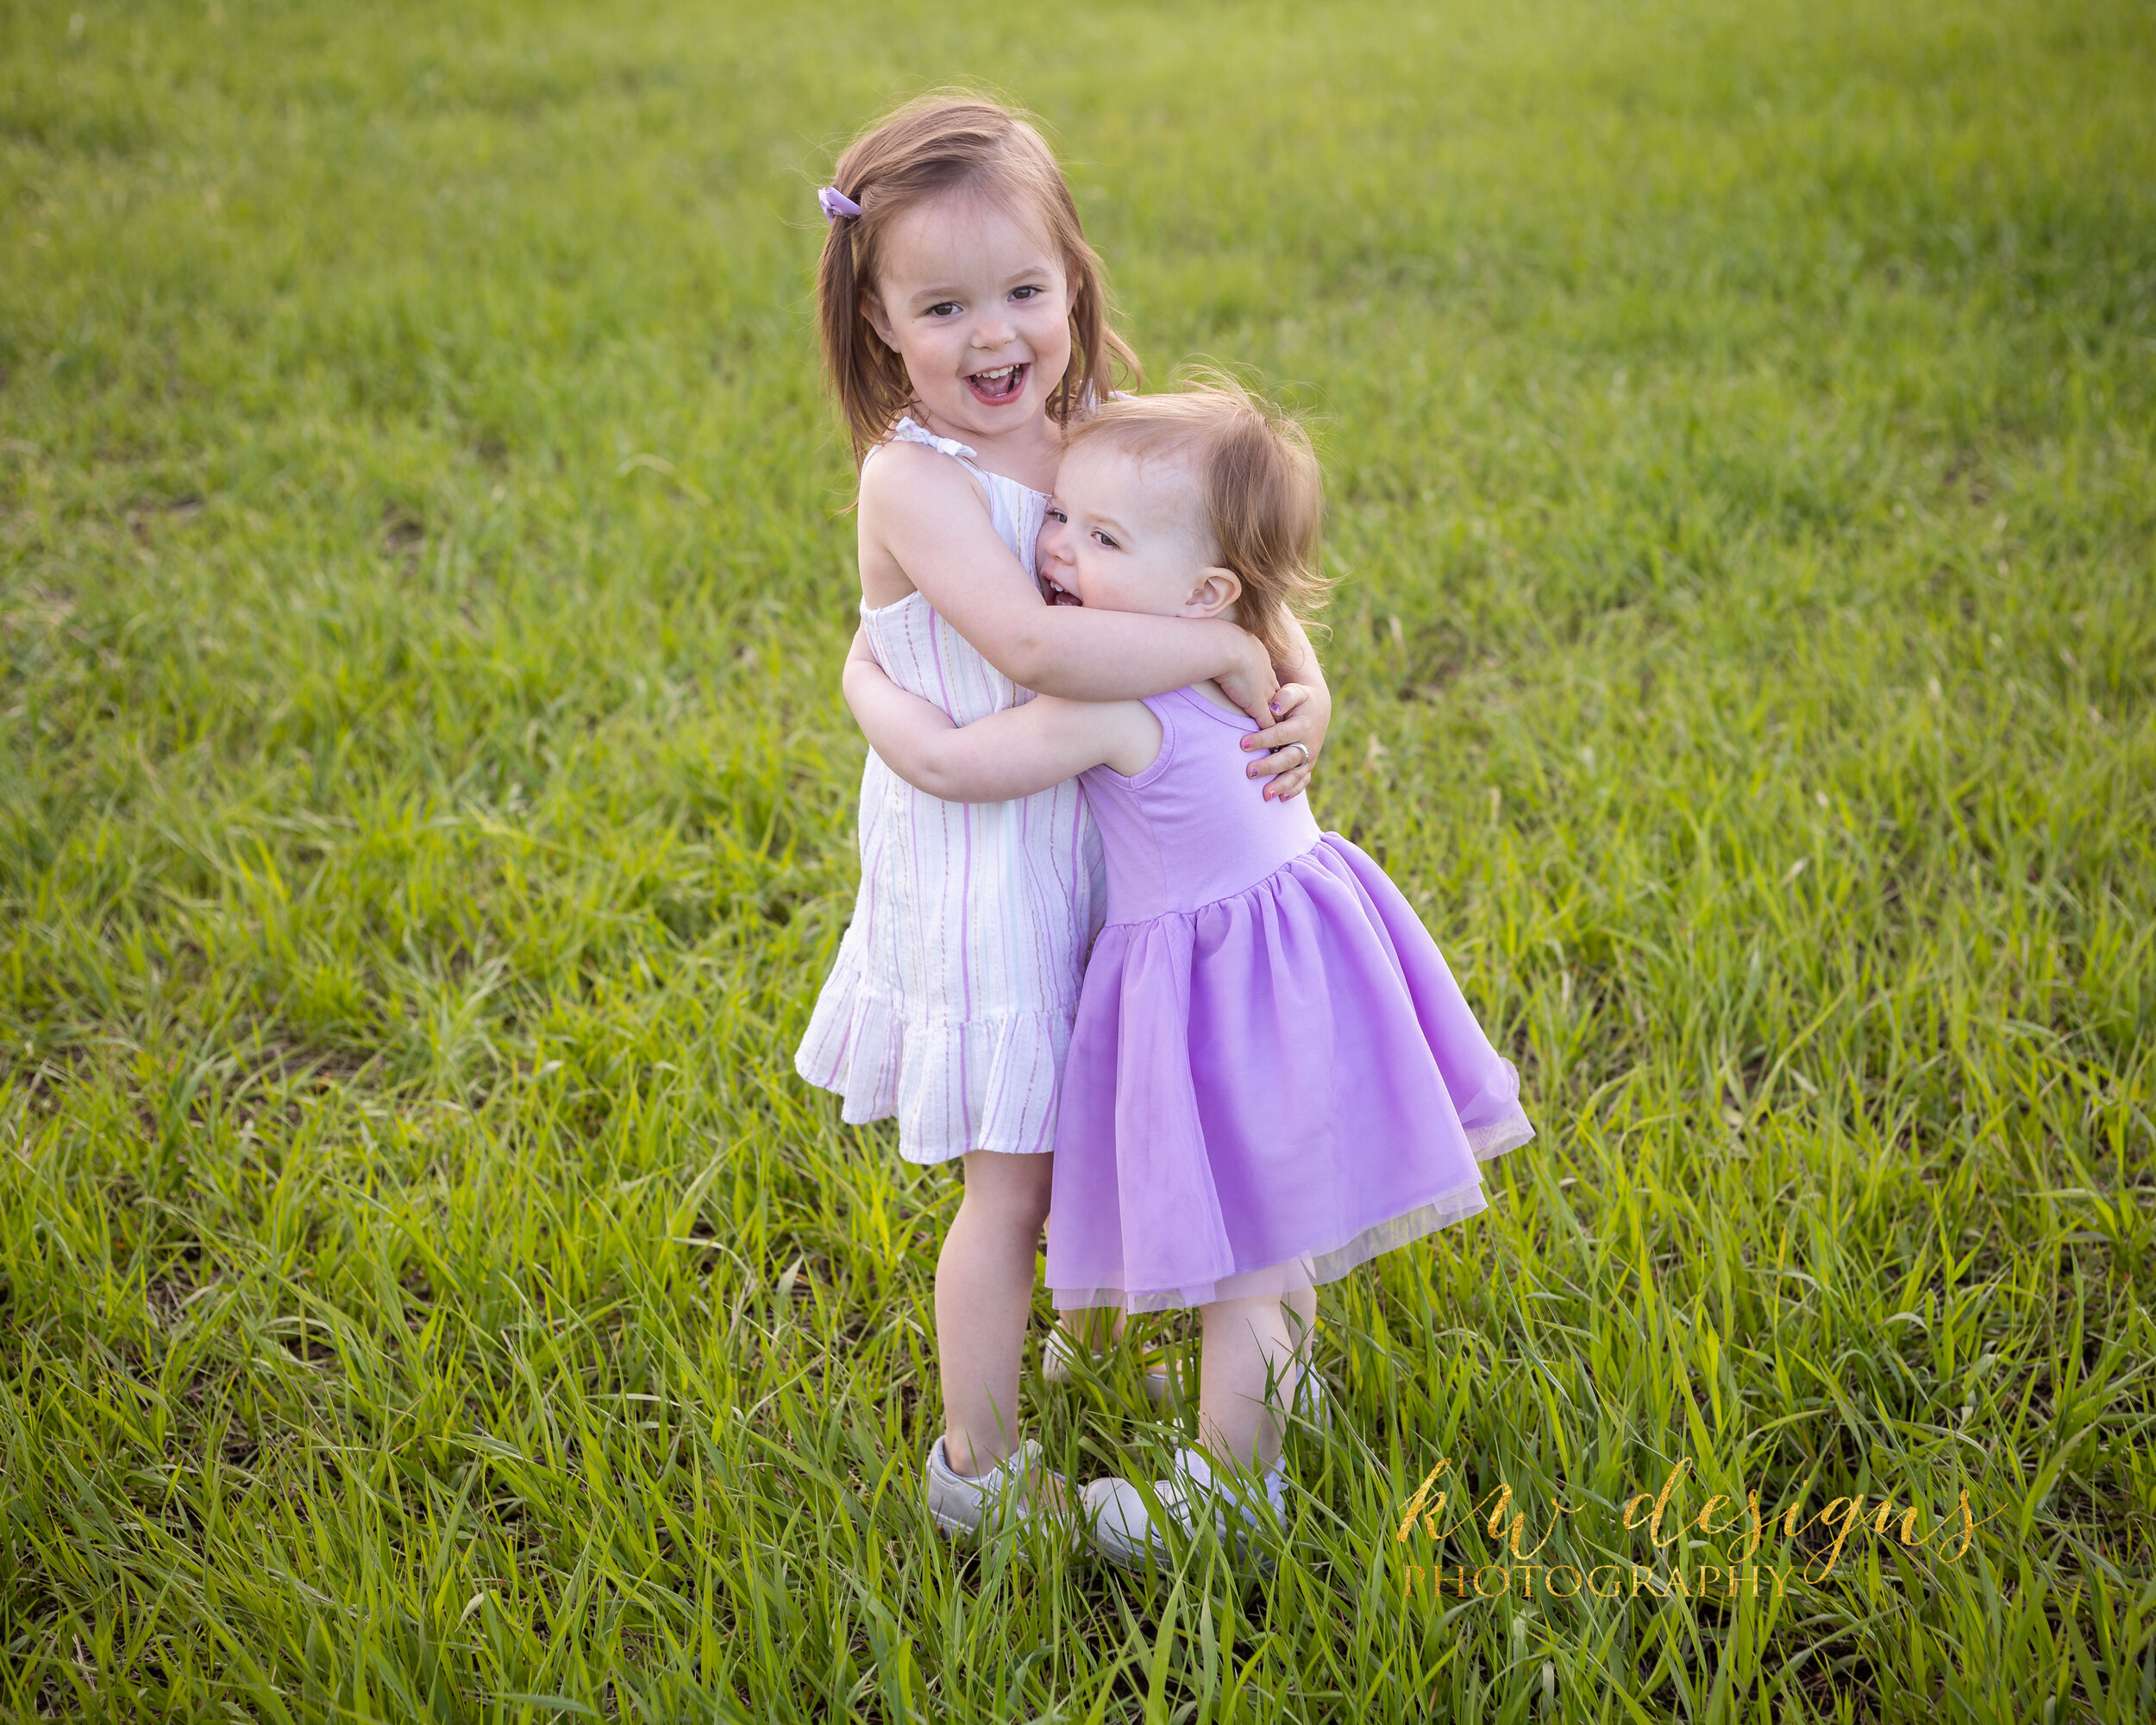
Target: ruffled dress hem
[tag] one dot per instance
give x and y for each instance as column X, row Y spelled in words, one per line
column 994, row 1076
column 1500, row 1137
column 1277, row 1281
column 1314, row 1269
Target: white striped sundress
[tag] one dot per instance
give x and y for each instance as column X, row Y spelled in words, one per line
column 951, row 1000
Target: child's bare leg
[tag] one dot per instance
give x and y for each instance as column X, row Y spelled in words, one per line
column 1251, row 1362
column 984, row 1294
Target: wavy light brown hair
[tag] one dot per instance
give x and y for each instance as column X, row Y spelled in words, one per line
column 951, row 141
column 1263, row 491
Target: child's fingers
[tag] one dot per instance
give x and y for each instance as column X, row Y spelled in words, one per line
column 1287, row 769
column 1291, row 783
column 1294, row 729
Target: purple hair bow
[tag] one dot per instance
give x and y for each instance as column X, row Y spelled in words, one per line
column 836, row 204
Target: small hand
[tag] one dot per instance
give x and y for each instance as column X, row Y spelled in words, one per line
column 1252, row 684
column 1289, row 747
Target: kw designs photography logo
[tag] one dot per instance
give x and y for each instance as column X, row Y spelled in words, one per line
column 1513, row 1569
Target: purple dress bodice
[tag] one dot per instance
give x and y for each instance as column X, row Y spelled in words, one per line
column 1193, row 828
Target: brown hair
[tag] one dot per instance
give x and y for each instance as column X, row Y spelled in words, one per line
column 1263, row 491
column 950, row 140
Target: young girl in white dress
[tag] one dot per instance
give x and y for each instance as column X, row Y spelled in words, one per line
column 964, row 324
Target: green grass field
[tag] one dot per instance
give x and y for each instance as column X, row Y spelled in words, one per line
column 426, row 813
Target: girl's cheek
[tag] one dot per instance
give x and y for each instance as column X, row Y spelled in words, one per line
column 1051, row 328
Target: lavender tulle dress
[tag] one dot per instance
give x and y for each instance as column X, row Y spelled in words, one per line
column 1272, row 1076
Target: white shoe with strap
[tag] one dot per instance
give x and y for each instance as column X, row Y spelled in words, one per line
column 1018, row 1491
column 1129, row 1530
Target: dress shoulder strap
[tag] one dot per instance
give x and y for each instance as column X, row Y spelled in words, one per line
column 911, row 431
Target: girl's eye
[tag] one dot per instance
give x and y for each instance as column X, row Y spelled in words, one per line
column 1057, row 516
column 943, row 309
column 1026, row 293
column 1106, row 540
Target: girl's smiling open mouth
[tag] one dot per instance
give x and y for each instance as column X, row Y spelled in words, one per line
column 1003, row 384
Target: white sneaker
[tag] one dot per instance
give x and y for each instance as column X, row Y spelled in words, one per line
column 1126, row 1530
column 1059, row 1365
column 1018, row 1490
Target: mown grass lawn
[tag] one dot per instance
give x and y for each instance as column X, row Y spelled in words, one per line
column 426, row 815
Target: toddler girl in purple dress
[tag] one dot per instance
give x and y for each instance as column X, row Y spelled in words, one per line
column 1272, row 1077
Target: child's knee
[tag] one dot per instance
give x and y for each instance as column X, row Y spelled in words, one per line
column 1255, row 1312
column 1025, row 1211
column 1273, row 1321
column 1010, row 1190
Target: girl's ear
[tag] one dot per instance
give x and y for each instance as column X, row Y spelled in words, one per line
column 1216, row 591
column 872, row 309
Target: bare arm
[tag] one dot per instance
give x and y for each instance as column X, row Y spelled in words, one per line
column 1013, row 753
column 926, row 512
